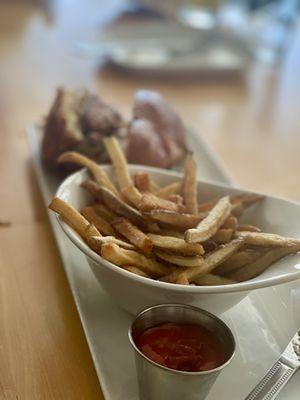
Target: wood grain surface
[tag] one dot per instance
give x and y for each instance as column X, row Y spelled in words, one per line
column 252, row 124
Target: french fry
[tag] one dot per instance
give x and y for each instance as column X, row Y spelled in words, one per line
column 170, row 232
column 207, row 206
column 142, row 181
column 121, row 257
column 93, row 188
column 190, row 185
column 133, row 234
column 184, row 221
column 209, row 246
column 103, row 226
column 182, row 279
column 104, row 212
column 98, row 173
column 257, row 267
column 237, row 209
column 183, row 261
column 210, row 263
column 96, row 242
column 175, row 244
column 72, row 217
column 114, row 203
column 222, row 236
column 121, row 169
column 247, row 199
column 240, row 203
column 238, row 260
column 194, row 257
column 151, row 202
column 209, row 225
column 118, row 159
column 176, row 198
column 249, row 228
column 135, row 270
column 265, row 239
column 172, row 188
column 216, row 258
column 230, row 223
column 132, row 195
column 213, row 280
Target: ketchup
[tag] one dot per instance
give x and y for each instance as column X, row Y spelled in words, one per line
column 190, row 348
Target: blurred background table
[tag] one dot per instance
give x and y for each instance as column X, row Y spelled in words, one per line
column 253, row 125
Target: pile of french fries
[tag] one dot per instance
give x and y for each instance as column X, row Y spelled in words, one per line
column 163, row 232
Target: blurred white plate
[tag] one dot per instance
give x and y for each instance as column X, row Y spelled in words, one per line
column 163, row 47
column 263, row 323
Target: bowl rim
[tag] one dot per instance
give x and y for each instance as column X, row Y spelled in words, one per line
column 230, row 288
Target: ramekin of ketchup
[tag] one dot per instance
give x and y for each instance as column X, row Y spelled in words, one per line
column 183, row 347
column 180, row 350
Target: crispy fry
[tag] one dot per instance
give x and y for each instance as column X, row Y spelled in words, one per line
column 142, row 181
column 243, row 201
column 237, row 209
column 176, row 198
column 98, row 173
column 116, row 155
column 170, row 232
column 210, row 262
column 118, row 256
column 209, row 226
column 182, row 279
column 133, row 234
column 175, row 244
column 213, row 280
column 238, row 260
column 215, row 259
column 163, row 214
column 113, row 203
column 135, row 270
column 249, row 228
column 184, row 221
column 247, row 199
column 261, row 264
column 207, row 206
column 132, row 195
column 172, row 188
column 151, row 202
column 265, row 239
column 183, row 261
column 72, row 217
column 96, row 242
column 240, row 203
column 103, row 226
column 104, row 212
column 209, row 246
column 222, row 236
column 230, row 223
column 190, row 185
column 93, row 188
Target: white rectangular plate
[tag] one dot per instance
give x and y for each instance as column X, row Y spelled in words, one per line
column 263, row 323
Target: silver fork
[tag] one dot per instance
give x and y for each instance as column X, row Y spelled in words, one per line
column 280, row 373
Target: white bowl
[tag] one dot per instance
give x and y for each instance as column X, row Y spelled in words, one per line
column 134, row 293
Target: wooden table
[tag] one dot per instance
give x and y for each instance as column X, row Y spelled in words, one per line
column 254, row 127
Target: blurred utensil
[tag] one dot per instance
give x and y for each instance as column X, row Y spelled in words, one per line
column 280, row 373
